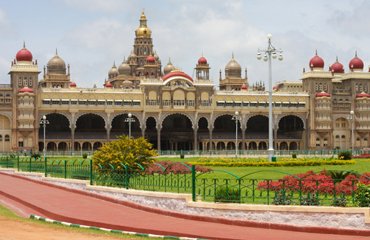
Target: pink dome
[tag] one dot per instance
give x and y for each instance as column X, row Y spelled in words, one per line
column 150, row 59
column 26, row 90
column 73, row 84
column 24, row 55
column 244, row 87
column 362, row 95
column 336, row 67
column 202, row 60
column 316, row 62
column 356, row 63
column 176, row 74
column 108, row 85
column 322, row 94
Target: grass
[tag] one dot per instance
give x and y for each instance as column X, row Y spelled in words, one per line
column 6, row 213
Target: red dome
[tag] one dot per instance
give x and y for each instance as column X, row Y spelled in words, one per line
column 356, row 63
column 150, row 59
column 202, row 60
column 26, row 90
column 24, row 55
column 244, row 87
column 316, row 62
column 362, row 95
column 108, row 85
column 322, row 94
column 336, row 67
column 73, row 84
column 176, row 74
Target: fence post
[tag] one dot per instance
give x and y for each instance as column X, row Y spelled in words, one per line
column 18, row 163
column 193, row 182
column 46, row 166
column 91, row 172
column 7, row 162
column 65, row 168
column 29, row 165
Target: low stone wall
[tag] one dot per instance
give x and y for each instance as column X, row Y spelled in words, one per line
column 331, row 217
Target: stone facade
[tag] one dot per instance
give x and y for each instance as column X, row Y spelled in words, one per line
column 178, row 112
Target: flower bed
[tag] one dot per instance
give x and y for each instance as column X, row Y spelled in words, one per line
column 167, row 167
column 290, row 163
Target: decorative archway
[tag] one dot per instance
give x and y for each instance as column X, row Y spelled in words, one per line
column 224, row 128
column 290, row 127
column 90, row 126
column 257, row 127
column 120, row 126
column 58, row 128
column 151, row 131
column 177, row 133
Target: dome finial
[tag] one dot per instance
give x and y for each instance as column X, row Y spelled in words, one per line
column 24, row 44
column 316, row 52
column 356, row 53
column 169, row 61
column 336, row 59
column 56, row 51
column 232, row 55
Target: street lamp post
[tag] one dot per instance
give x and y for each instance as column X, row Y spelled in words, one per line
column 236, row 118
column 269, row 53
column 130, row 120
column 44, row 122
column 351, row 117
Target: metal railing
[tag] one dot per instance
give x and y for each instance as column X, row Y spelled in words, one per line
column 289, row 190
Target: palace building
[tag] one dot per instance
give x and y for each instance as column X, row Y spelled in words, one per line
column 176, row 111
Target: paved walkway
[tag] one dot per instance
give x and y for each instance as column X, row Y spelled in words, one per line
column 63, row 205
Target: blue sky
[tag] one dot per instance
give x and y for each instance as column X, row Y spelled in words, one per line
column 91, row 34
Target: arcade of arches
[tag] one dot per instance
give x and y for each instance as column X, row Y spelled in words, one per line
column 175, row 132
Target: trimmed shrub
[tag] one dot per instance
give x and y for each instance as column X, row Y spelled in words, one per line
column 345, row 155
column 294, row 155
column 227, row 195
column 84, row 156
column 362, row 195
column 131, row 152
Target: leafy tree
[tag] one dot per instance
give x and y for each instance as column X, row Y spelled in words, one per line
column 131, row 152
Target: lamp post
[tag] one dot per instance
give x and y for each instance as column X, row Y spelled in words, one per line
column 236, row 118
column 269, row 53
column 351, row 117
column 44, row 122
column 130, row 120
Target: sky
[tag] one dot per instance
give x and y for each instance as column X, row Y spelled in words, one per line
column 91, row 34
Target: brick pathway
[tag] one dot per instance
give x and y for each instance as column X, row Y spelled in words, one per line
column 64, row 205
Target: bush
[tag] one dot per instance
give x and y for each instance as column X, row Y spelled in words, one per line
column 36, row 155
column 345, row 155
column 339, row 202
column 168, row 167
column 294, row 155
column 362, row 196
column 227, row 195
column 281, row 198
column 310, row 200
column 131, row 152
column 84, row 156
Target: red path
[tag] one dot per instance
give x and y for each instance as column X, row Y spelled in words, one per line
column 72, row 206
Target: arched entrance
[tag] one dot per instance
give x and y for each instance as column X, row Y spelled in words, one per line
column 5, row 133
column 90, row 126
column 257, row 127
column 151, row 131
column 177, row 133
column 224, row 129
column 120, row 126
column 203, row 133
column 57, row 129
column 290, row 128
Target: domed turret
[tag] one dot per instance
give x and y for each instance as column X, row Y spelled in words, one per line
column 108, row 85
column 244, row 87
column 202, row 60
column 124, row 68
column 322, row 94
column 24, row 55
column 113, row 72
column 143, row 31
column 72, row 85
column 362, row 95
column 233, row 68
column 316, row 62
column 150, row 59
column 168, row 68
column 336, row 67
column 356, row 64
column 56, row 65
column 26, row 90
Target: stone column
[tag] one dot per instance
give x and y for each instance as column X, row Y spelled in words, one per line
column 210, row 138
column 195, row 148
column 73, row 129
column 108, row 128
column 244, row 128
column 159, row 138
